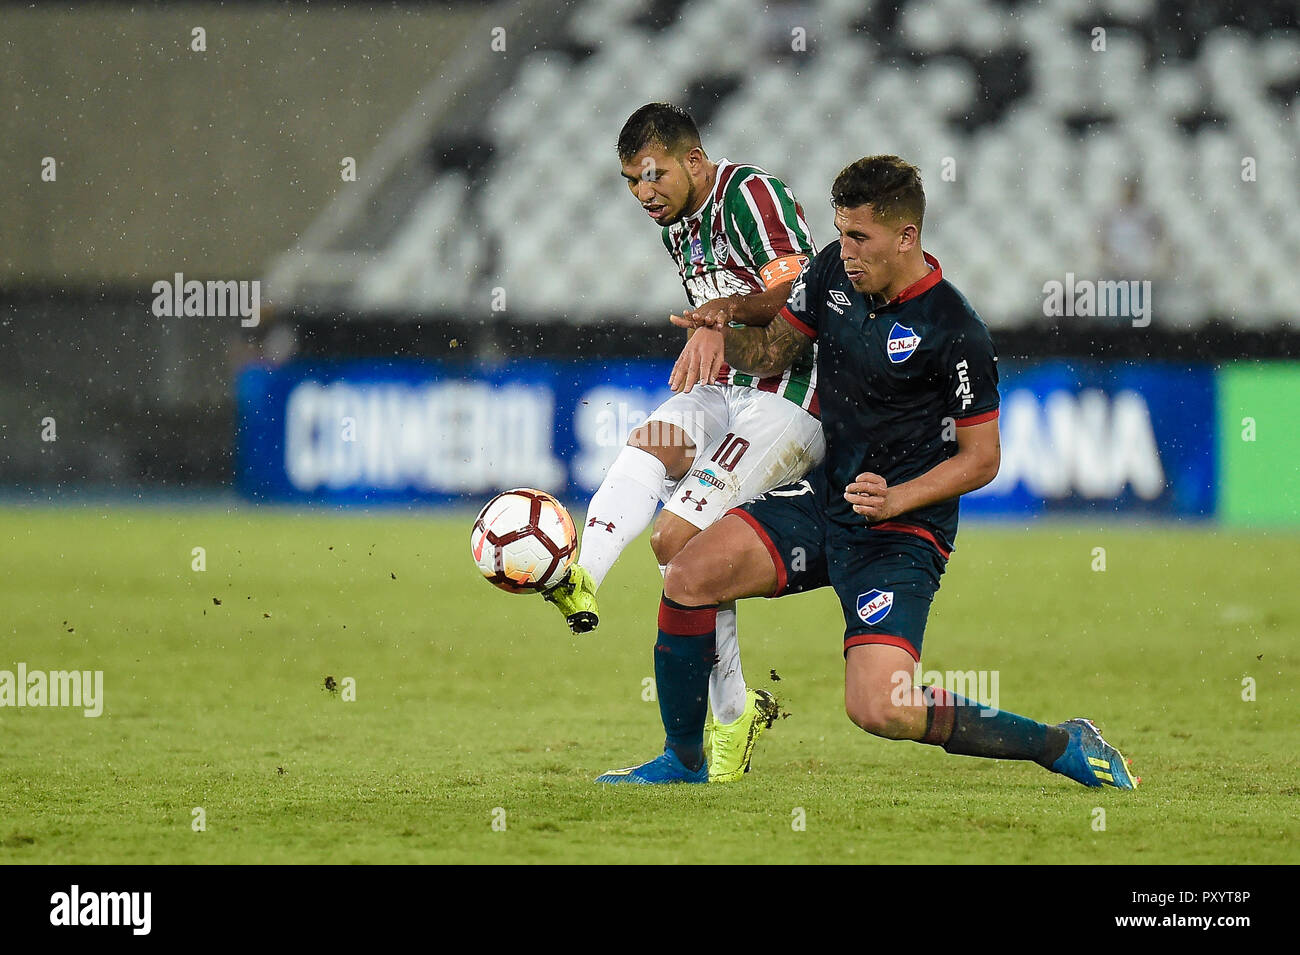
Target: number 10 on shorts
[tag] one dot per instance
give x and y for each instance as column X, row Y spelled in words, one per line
column 730, row 452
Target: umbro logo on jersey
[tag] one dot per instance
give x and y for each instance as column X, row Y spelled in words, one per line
column 902, row 342
column 838, row 301
column 874, row 605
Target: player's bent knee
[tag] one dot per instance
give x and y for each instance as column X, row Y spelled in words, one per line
column 668, row 443
column 878, row 717
column 689, row 582
column 669, row 537
column 664, row 546
column 726, row 561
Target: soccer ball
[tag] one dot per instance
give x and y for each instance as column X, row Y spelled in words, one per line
column 523, row 540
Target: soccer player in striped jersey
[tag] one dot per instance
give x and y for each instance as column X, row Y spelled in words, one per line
column 739, row 240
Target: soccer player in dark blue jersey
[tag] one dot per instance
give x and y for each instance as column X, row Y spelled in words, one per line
column 908, row 379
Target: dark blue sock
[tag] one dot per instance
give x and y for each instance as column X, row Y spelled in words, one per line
column 684, row 655
column 966, row 728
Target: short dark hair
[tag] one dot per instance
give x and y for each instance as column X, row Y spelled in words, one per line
column 658, row 124
column 891, row 186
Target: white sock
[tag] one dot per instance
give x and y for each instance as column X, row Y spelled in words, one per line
column 726, row 681
column 622, row 507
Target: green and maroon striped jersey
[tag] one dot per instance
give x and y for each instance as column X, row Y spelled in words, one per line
column 749, row 235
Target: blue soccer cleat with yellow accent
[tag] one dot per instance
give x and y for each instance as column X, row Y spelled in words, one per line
column 1090, row 760
column 658, row 771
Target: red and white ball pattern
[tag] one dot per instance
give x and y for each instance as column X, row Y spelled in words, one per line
column 523, row 540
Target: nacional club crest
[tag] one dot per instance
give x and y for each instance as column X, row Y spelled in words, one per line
column 902, row 342
column 874, row 605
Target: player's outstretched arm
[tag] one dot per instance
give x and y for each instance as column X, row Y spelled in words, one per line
column 760, row 351
column 754, row 308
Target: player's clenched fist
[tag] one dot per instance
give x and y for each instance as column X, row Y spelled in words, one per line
column 869, row 495
column 699, row 361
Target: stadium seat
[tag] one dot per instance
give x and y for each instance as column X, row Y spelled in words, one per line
column 1044, row 130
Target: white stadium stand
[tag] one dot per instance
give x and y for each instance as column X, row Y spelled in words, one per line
column 1040, row 132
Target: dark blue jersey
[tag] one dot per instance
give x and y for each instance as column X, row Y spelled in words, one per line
column 896, row 379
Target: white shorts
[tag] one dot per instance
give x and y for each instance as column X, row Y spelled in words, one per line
column 746, row 442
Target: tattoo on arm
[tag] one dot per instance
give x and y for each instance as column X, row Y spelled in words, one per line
column 767, row 350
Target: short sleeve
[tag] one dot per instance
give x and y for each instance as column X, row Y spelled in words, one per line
column 764, row 222
column 972, row 373
column 800, row 308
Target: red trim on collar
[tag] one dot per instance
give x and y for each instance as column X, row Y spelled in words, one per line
column 922, row 285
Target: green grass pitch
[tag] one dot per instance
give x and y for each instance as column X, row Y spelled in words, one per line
column 474, row 707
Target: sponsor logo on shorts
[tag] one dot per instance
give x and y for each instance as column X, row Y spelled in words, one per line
column 902, row 342
column 707, row 478
column 874, row 605
column 699, row 502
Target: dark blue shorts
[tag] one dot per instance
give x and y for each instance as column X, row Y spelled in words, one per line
column 885, row 575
